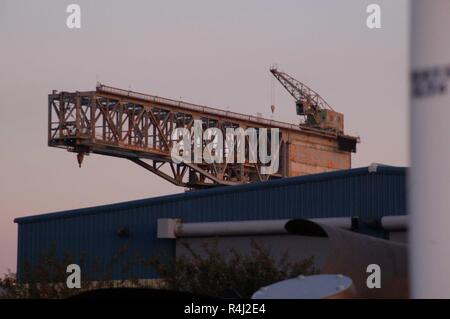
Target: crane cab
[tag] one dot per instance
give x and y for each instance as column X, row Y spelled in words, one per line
column 330, row 120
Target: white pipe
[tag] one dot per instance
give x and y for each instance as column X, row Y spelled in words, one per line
column 249, row 227
column 173, row 228
column 232, row 228
column 429, row 180
column 394, row 223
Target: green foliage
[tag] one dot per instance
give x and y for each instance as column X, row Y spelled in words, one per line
column 209, row 271
column 47, row 278
column 215, row 273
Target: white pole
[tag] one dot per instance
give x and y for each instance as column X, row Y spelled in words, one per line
column 429, row 183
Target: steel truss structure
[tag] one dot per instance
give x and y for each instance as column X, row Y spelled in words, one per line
column 139, row 127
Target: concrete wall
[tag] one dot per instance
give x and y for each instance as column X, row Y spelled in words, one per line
column 310, row 154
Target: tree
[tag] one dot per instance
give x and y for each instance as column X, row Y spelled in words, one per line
column 216, row 273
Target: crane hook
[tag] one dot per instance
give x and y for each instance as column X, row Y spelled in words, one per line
column 80, row 157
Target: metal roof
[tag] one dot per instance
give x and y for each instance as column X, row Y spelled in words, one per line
column 227, row 190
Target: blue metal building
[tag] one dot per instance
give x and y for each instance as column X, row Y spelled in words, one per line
column 366, row 193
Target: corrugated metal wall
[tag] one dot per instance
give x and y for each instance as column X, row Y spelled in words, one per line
column 93, row 231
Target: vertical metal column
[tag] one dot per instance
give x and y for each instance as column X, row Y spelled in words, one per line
column 429, row 182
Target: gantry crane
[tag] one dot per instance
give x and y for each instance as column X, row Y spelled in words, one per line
column 139, row 127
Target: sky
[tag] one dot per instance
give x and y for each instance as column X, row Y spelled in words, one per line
column 214, row 53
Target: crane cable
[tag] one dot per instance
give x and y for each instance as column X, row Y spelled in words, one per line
column 272, row 96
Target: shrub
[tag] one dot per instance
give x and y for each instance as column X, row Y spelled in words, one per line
column 216, row 273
